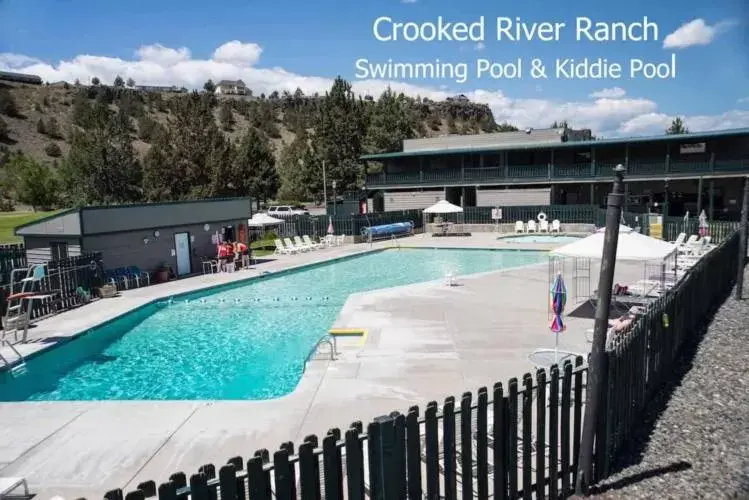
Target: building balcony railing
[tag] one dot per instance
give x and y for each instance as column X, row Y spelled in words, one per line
column 524, row 174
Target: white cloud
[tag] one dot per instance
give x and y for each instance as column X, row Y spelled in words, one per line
column 12, row 61
column 236, row 52
column 744, row 100
column 480, row 46
column 696, row 32
column 612, row 93
column 608, row 112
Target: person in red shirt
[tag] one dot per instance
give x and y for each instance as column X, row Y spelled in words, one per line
column 241, row 250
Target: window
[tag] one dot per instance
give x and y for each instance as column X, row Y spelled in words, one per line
column 58, row 250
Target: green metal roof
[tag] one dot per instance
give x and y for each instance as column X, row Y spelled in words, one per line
column 571, row 144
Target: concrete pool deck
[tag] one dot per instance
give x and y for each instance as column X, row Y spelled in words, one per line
column 425, row 341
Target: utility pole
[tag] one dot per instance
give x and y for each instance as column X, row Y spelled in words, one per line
column 742, row 241
column 324, row 188
column 598, row 367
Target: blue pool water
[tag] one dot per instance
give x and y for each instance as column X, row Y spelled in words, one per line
column 242, row 341
column 539, row 238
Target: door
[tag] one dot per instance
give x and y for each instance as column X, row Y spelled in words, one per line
column 182, row 246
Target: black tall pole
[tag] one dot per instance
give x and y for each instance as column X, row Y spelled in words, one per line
column 598, row 369
column 742, row 240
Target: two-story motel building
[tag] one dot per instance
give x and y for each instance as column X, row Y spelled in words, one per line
column 561, row 166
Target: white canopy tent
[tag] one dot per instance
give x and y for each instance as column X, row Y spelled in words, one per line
column 263, row 220
column 632, row 247
column 443, row 207
column 445, row 225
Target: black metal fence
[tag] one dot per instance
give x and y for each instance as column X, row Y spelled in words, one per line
column 69, row 282
column 11, row 257
column 643, row 357
column 517, row 441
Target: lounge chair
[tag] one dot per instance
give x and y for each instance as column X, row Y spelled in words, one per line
column 291, row 246
column 532, row 227
column 519, row 227
column 543, row 226
column 556, row 226
column 328, row 240
column 311, row 243
column 138, row 276
column 282, row 250
column 679, row 241
column 340, row 239
column 688, row 245
column 301, row 244
column 11, row 484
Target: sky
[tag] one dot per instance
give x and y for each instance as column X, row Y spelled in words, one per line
column 285, row 44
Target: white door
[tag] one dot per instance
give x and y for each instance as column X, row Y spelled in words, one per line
column 182, row 244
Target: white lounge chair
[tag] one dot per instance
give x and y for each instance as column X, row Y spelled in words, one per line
column 689, row 244
column 328, row 240
column 556, row 226
column 304, row 247
column 543, row 226
column 11, row 484
column 290, row 245
column 679, row 241
column 311, row 243
column 532, row 227
column 282, row 250
column 340, row 239
column 519, row 227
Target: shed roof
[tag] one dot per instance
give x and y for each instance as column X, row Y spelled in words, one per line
column 692, row 137
column 116, row 218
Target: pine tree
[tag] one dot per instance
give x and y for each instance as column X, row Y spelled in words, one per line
column 339, row 133
column 254, row 167
column 389, row 124
column 677, row 127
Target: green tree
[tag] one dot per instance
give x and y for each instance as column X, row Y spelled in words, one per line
column 102, row 166
column 53, row 128
column 53, row 150
column 226, row 116
column 95, row 81
column 561, row 124
column 506, row 127
column 4, row 131
column 183, row 161
column 130, row 83
column 8, row 105
column 677, row 127
column 254, row 167
column 209, row 86
column 339, row 134
column 295, row 161
column 390, row 124
column 119, row 82
column 33, row 182
column 147, row 128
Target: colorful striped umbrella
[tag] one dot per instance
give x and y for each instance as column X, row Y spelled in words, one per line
column 558, row 298
column 330, row 226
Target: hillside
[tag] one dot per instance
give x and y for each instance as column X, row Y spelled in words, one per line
column 55, row 102
column 208, row 145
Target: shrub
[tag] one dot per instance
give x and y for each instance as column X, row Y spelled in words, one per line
column 41, row 127
column 4, row 130
column 8, row 104
column 53, row 150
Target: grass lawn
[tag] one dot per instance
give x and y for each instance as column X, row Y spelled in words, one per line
column 9, row 220
column 261, row 248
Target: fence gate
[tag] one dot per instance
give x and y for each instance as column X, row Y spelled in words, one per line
column 582, row 279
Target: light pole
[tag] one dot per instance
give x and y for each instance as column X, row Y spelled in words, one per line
column 324, row 188
column 595, row 402
column 335, row 199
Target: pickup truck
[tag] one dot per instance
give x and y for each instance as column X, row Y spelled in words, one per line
column 286, row 211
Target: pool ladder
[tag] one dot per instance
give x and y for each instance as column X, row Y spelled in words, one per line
column 395, row 241
column 328, row 340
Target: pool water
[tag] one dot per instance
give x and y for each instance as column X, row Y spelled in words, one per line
column 241, row 341
column 539, row 238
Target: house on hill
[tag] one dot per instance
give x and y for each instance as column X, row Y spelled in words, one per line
column 231, row 87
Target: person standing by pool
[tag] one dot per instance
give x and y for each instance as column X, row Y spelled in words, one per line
column 241, row 250
column 224, row 250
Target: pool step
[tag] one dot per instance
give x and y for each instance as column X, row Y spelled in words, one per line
column 18, row 369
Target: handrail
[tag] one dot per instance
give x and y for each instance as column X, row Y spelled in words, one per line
column 325, row 339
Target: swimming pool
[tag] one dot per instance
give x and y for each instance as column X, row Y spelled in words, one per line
column 240, row 341
column 539, row 238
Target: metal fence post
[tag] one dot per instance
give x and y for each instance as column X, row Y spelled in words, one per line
column 742, row 240
column 597, row 374
column 383, row 457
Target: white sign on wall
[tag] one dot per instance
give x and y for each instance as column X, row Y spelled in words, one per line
column 697, row 147
column 496, row 214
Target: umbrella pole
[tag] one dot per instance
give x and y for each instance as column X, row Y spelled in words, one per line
column 556, row 347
